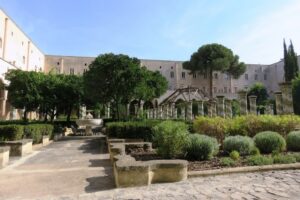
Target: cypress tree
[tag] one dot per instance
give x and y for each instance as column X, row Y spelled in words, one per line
column 291, row 67
column 294, row 60
column 285, row 59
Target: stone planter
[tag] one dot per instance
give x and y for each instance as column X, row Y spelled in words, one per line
column 19, row 147
column 4, row 156
column 46, row 140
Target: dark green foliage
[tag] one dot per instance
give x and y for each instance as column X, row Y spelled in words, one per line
column 260, row 160
column 296, row 156
column 260, row 91
column 215, row 57
column 11, row 132
column 234, row 155
column 269, row 141
column 201, row 147
column 293, row 141
column 132, row 129
column 241, row 144
column 284, row 159
column 291, row 67
column 254, row 151
column 170, row 138
column 227, row 162
column 296, row 94
column 34, row 132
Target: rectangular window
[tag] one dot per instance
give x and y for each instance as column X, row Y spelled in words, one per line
column 225, row 89
column 246, row 76
column 194, row 75
column 183, row 75
column 215, row 90
column 71, row 71
column 265, row 77
column 172, row 74
column 216, row 75
column 256, row 77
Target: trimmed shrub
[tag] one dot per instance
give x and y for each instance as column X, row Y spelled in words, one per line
column 132, row 129
column 228, row 162
column 284, row 159
column 11, row 132
column 296, row 156
column 214, row 127
column 293, row 141
column 201, row 147
column 170, row 138
column 259, row 160
column 242, row 144
column 234, row 155
column 34, row 132
column 269, row 141
column 254, row 151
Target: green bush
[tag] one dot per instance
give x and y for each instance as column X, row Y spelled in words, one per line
column 201, row 147
column 132, row 129
column 242, row 144
column 293, row 141
column 234, row 155
column 37, row 131
column 254, row 151
column 170, row 138
column 228, row 162
column 269, row 141
column 11, row 132
column 259, row 160
column 284, row 159
column 296, row 156
column 214, row 127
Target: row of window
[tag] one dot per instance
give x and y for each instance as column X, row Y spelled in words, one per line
column 256, row 77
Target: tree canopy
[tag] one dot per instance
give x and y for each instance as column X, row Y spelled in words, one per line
column 296, row 94
column 291, row 67
column 215, row 57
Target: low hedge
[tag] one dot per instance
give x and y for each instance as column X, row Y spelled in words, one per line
column 18, row 132
column 132, row 129
column 247, row 125
column 11, row 132
column 293, row 141
column 268, row 142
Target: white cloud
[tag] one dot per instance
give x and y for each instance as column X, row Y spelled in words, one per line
column 260, row 41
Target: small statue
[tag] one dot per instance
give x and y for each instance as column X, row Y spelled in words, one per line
column 89, row 116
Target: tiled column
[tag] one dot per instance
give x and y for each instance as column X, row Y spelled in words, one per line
column 287, row 98
column 200, row 108
column 278, row 103
column 252, row 102
column 228, row 108
column 243, row 102
column 221, row 106
column 189, row 115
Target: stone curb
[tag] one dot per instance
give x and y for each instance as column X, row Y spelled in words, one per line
column 224, row 171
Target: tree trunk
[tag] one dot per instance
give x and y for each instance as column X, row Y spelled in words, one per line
column 25, row 115
column 211, row 83
column 69, row 114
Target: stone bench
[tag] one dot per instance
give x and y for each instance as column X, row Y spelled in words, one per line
column 4, row 156
column 129, row 172
column 18, row 147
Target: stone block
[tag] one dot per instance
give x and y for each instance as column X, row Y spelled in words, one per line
column 46, row 140
column 4, row 156
column 18, row 147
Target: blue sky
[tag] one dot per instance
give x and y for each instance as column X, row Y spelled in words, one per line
column 159, row 29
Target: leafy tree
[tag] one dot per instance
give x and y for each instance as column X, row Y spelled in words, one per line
column 291, row 67
column 23, row 90
column 112, row 79
column 152, row 85
column 296, row 94
column 259, row 90
column 215, row 57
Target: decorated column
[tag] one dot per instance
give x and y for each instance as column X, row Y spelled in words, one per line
column 189, row 114
column 170, row 111
column 160, row 112
column 278, row 103
column 287, row 98
column 221, row 106
column 107, row 111
column 174, row 111
column 141, row 109
column 136, row 109
column 243, row 102
column 155, row 113
column 200, row 108
column 128, row 109
column 183, row 112
column 166, row 111
column 228, row 108
column 82, row 111
column 252, row 102
column 209, row 109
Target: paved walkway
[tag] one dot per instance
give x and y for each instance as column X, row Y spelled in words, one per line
column 80, row 169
